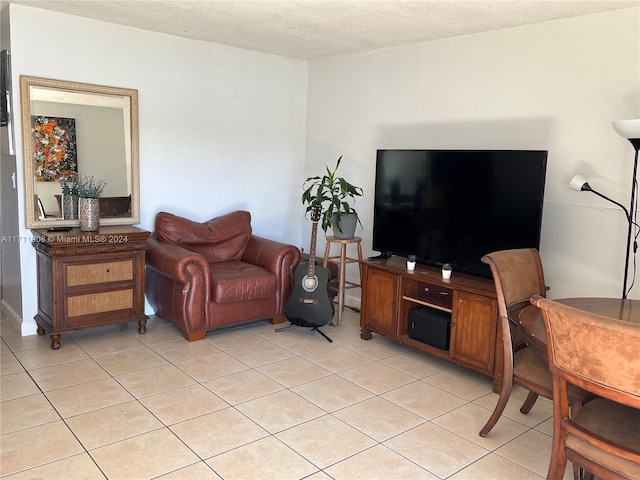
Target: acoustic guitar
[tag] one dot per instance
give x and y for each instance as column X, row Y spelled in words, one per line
column 309, row 304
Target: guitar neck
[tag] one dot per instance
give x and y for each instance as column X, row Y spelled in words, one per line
column 312, row 250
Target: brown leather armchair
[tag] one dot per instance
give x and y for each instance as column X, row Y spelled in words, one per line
column 203, row 276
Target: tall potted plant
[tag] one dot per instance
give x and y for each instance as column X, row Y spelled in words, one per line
column 89, row 191
column 333, row 193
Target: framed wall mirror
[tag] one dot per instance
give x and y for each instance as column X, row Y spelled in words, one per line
column 72, row 130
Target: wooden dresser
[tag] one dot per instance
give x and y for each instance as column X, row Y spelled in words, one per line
column 89, row 279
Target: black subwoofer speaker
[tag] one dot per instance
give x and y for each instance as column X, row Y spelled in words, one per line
column 430, row 326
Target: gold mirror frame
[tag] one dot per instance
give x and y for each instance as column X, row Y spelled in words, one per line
column 131, row 138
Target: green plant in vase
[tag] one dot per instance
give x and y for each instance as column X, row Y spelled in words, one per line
column 68, row 185
column 90, row 187
column 89, row 191
column 69, row 201
column 446, row 271
column 333, row 193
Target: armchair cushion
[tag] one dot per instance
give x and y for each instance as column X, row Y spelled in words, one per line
column 221, row 239
column 237, row 281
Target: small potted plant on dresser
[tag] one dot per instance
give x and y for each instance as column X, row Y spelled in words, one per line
column 89, row 191
column 446, row 271
column 411, row 262
column 69, row 202
column 334, row 194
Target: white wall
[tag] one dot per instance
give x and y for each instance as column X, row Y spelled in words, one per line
column 553, row 86
column 221, row 128
column 224, row 128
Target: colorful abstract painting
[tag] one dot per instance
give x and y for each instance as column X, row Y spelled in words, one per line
column 54, row 147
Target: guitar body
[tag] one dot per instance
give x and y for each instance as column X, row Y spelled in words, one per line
column 310, row 308
column 309, row 304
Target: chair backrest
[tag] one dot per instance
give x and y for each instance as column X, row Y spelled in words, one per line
column 518, row 275
column 597, row 353
column 40, row 208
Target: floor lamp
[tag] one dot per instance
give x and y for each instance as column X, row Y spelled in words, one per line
column 629, row 129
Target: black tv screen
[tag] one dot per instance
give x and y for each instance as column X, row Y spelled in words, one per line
column 454, row 206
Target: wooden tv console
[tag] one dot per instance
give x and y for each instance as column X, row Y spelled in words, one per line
column 390, row 292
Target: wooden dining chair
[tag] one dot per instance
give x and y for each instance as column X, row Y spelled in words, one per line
column 601, row 355
column 41, row 213
column 518, row 275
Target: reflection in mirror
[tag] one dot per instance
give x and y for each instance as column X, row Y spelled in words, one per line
column 72, row 129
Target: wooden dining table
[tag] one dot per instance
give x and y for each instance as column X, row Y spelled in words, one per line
column 622, row 309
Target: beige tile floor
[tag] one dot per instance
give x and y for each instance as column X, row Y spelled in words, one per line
column 250, row 403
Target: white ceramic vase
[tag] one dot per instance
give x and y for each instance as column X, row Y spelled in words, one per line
column 89, row 214
column 446, row 274
column 411, row 265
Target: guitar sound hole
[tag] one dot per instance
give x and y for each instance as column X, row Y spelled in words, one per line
column 309, row 284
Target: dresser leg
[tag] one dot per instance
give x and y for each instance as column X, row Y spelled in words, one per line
column 142, row 326
column 55, row 342
column 365, row 334
column 40, row 330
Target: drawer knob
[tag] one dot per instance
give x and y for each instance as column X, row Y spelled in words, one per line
column 108, row 270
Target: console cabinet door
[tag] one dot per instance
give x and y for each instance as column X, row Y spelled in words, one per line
column 381, row 301
column 473, row 334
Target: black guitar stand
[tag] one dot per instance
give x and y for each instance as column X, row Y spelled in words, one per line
column 300, row 323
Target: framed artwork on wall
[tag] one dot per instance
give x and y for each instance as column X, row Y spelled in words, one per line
column 55, row 152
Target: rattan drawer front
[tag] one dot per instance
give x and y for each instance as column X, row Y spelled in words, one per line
column 99, row 302
column 92, row 273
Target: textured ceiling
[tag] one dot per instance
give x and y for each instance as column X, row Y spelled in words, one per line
column 308, row 29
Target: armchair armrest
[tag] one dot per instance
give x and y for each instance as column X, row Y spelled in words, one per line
column 271, row 255
column 178, row 286
column 177, row 262
column 277, row 257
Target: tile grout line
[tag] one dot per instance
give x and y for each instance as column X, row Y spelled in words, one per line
column 371, row 361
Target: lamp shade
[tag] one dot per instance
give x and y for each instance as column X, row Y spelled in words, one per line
column 577, row 183
column 627, row 128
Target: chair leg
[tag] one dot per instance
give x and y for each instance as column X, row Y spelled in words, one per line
column 277, row 320
column 529, row 403
column 505, row 393
column 193, row 337
column 557, row 466
column 558, row 461
column 578, row 473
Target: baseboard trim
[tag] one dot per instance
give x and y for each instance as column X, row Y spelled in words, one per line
column 12, row 316
column 351, row 301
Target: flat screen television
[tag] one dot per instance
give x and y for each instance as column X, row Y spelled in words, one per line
column 454, row 206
